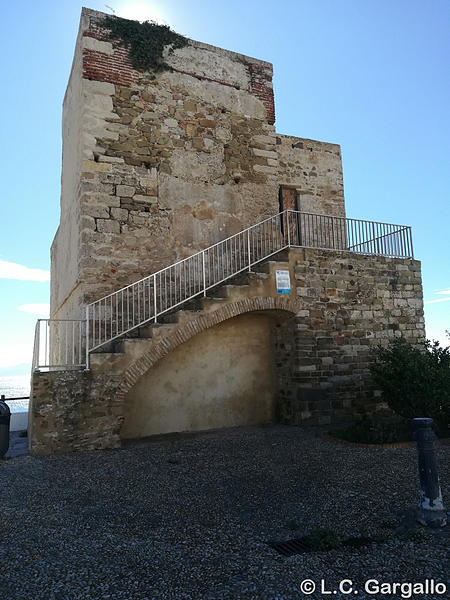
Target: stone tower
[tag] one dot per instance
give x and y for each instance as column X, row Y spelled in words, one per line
column 158, row 167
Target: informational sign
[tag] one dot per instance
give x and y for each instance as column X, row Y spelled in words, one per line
column 283, row 282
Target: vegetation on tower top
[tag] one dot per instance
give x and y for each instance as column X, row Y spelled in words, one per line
column 145, row 41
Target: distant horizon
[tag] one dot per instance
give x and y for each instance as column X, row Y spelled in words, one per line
column 17, row 370
column 15, row 386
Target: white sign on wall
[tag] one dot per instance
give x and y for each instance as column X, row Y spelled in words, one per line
column 283, row 282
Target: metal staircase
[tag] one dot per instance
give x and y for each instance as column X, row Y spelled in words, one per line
column 69, row 343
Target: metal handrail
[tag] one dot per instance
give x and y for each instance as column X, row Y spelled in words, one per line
column 192, row 256
column 59, row 343
column 117, row 314
column 142, row 302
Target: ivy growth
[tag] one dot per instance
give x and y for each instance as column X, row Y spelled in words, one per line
column 145, row 41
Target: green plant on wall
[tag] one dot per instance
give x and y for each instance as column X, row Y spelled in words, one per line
column 145, row 41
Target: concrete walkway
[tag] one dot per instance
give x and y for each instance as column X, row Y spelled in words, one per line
column 18, row 446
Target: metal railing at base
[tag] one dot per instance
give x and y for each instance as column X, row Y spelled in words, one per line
column 59, row 344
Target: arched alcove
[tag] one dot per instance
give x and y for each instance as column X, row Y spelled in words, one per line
column 222, row 377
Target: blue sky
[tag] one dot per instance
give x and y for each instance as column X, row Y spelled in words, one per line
column 371, row 75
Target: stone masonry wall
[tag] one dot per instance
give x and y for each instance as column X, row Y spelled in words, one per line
column 314, row 170
column 73, row 410
column 347, row 304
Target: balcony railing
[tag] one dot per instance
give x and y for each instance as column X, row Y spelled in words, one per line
column 68, row 343
column 59, row 344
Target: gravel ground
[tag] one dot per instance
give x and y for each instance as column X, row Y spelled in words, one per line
column 189, row 517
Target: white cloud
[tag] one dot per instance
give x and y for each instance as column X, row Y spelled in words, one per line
column 42, row 310
column 10, row 270
column 438, row 300
column 440, row 293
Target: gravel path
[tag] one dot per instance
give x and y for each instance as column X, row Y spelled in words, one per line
column 189, row 517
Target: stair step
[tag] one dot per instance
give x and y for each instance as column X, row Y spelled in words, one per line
column 209, row 299
column 267, row 266
column 159, row 329
column 168, row 318
column 98, row 358
column 108, row 348
column 225, row 290
column 184, row 316
column 208, row 303
column 258, row 275
column 133, row 343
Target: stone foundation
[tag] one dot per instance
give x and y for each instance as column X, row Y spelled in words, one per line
column 73, row 410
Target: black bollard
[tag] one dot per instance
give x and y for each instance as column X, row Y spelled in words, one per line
column 5, row 418
column 431, row 511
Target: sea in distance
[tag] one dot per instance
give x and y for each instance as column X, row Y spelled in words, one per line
column 15, row 386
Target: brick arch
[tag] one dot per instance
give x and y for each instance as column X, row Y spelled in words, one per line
column 188, row 330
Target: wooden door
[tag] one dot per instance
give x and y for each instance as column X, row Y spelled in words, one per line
column 288, row 200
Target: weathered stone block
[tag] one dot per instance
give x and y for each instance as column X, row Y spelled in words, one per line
column 265, row 153
column 264, row 169
column 119, row 214
column 108, row 226
column 87, row 222
column 93, row 210
column 190, row 106
column 90, row 43
column 111, row 159
column 145, row 199
column 126, row 191
column 92, row 165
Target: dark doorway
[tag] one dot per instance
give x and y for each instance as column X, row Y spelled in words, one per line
column 288, row 200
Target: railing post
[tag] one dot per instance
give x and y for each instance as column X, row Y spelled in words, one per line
column 411, row 242
column 204, row 273
column 155, row 297
column 288, row 229
column 38, row 344
column 87, row 336
column 248, row 251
